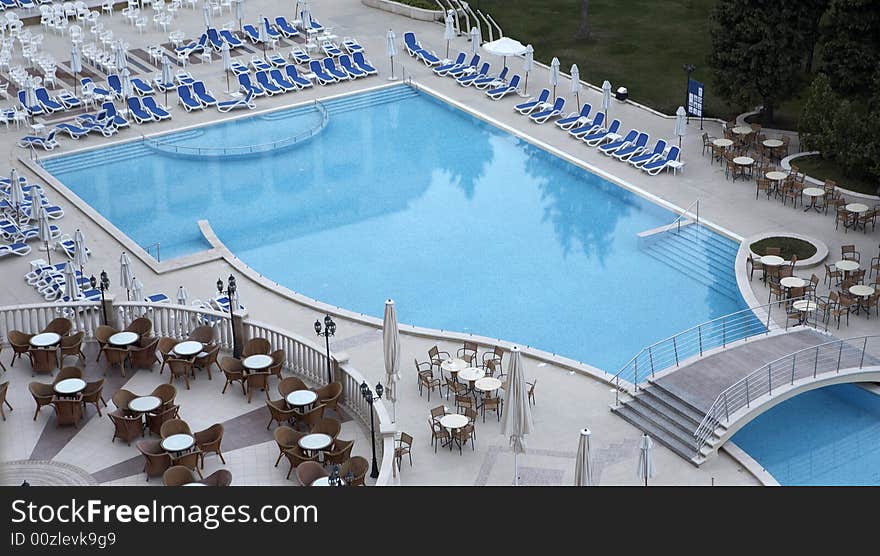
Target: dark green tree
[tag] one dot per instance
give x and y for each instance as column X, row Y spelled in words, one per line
column 808, row 19
column 756, row 52
column 816, row 124
column 851, row 44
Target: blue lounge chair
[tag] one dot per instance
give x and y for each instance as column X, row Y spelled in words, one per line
column 103, row 124
column 282, row 81
column 138, row 112
column 331, row 49
column 331, row 68
column 162, row 87
column 466, row 80
column 362, row 63
column 18, row 248
column 428, row 57
column 649, row 156
column 68, row 100
column 214, row 39
column 267, row 85
column 204, row 95
column 157, row 111
column 501, row 92
column 157, row 298
column 442, row 70
column 601, row 135
column 99, row 91
column 259, row 64
column 352, row 45
column 141, row 87
column 636, row 147
column 490, row 82
column 411, row 43
column 671, row 161
column 115, row 85
column 535, row 103
column 277, row 60
column 300, row 81
column 345, row 63
column 109, row 110
column 48, row 142
column 245, row 102
column 609, row 148
column 185, row 96
column 270, row 31
column 184, row 77
column 46, row 101
column 238, row 68
column 575, row 119
column 300, row 56
column 589, row 127
column 34, row 110
column 322, row 76
column 251, row 33
column 285, row 27
column 230, row 38
column 74, row 131
column 465, row 68
column 553, row 112
column 315, row 24
column 245, row 81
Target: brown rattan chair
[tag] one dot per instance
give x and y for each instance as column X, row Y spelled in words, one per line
column 256, row 380
column 832, row 275
column 233, row 370
column 491, row 403
column 67, row 372
column 455, row 387
column 329, row 395
column 290, row 384
column 3, row 389
column 144, row 356
column 179, row 367
column 141, row 326
column 339, row 453
column 464, row 434
column 203, row 335
column 531, row 392
column 165, row 413
column 72, row 345
column 166, row 393
column 326, row 425
column 43, row 360
column 209, row 440
column 468, row 352
column 177, row 475
column 286, row 438
column 42, row 393
column 279, row 412
column 435, row 356
column 102, row 336
column 296, row 456
column 219, row 478
column 94, row 394
column 311, row 417
column 438, row 434
column 849, row 253
column 427, row 381
column 210, row 358
column 174, row 426
column 126, row 427
column 277, row 363
column 438, row 412
column 121, row 399
column 358, row 466
column 256, row 346
column 165, row 346
column 464, row 401
column 116, row 356
column 61, row 326
column 309, row 471
column 20, row 343
column 68, row 410
column 156, row 460
column 403, row 448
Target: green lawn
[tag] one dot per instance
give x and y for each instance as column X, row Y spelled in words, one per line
column 821, row 169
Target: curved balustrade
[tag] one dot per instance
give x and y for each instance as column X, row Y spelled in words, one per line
column 176, row 321
column 31, row 319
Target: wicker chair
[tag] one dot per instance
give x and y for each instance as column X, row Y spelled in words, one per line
column 121, row 399
column 256, row 346
column 60, row 326
column 255, row 381
column 309, row 471
column 233, row 370
column 203, row 335
column 311, row 417
column 209, row 440
column 144, row 356
column 116, row 356
column 219, row 478
column 465, row 401
column 468, row 352
column 403, row 448
column 455, row 387
column 156, row 419
column 849, row 253
column 296, row 456
column 43, row 360
column 279, row 412
column 339, row 453
column 42, row 394
column 166, row 393
column 3, row 389
column 156, row 460
column 491, row 403
column 102, row 336
column 329, row 395
column 165, row 346
column 326, row 425
column 141, row 326
column 438, row 434
column 67, row 372
column 68, row 411
column 427, row 381
column 437, row 413
column 434, row 354
column 177, row 475
column 358, row 466
column 277, row 365
column 210, row 358
column 832, row 275
column 463, row 435
column 20, row 343
column 290, row 384
column 126, row 427
column 174, row 426
column 72, row 345
column 286, row 438
column 179, row 367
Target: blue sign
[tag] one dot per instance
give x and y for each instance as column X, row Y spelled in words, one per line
column 695, row 98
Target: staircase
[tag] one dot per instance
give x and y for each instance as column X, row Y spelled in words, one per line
column 667, row 418
column 382, row 96
column 96, row 157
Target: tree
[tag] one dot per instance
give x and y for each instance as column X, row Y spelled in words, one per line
column 584, row 27
column 816, row 124
column 755, row 52
column 851, row 44
column 809, row 16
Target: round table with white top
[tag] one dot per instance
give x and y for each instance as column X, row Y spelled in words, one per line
column 453, row 366
column 742, row 130
column 188, row 348
column 743, row 162
column 775, row 175
column 813, row 193
column 301, row 398
column 257, row 362
column 320, row 482
column 315, row 442
column 792, row 282
column 178, row 443
column 44, row 340
column 772, row 143
column 723, row 143
column 861, row 290
column 471, row 374
column 846, row 266
column 69, row 386
column 122, row 339
column 144, row 404
column 453, row 422
column 487, row 384
column 805, row 307
column 857, row 209
column 772, row 260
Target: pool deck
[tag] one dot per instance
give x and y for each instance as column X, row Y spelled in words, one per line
column 563, row 407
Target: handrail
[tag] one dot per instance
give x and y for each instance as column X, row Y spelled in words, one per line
column 840, row 354
column 158, row 246
column 696, row 340
column 488, row 25
column 495, row 23
column 686, row 213
column 467, row 9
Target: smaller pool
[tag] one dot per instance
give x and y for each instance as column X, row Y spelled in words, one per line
column 829, row 436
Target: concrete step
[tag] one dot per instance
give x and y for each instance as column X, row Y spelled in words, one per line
column 671, row 423
column 656, row 433
column 662, row 396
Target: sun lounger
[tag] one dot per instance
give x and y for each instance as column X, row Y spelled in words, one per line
column 361, row 62
column 204, row 95
column 115, row 85
column 575, row 119
column 277, row 60
column 157, row 298
column 270, row 31
column 347, row 66
column 411, row 43
column 238, row 68
column 68, row 100
column 155, row 109
column 330, row 49
column 162, row 87
column 230, row 39
column 501, row 92
column 649, row 156
column 47, row 102
column 246, row 101
column 259, row 64
column 87, row 82
column 300, row 56
column 141, row 87
column 249, row 88
column 74, row 131
column 351, row 45
column 140, row 115
column 467, row 80
column 331, row 68
column 464, row 69
column 271, row 88
column 490, row 82
column 535, row 103
column 294, row 76
column 185, row 96
column 602, row 135
column 285, row 27
column 251, row 33
column 444, row 69
column 585, row 129
column 282, row 81
column 552, row 112
column 214, row 39
column 632, row 149
column 183, row 77
column 34, row 110
column 48, row 142
column 110, row 112
column 670, row 161
column 609, row 148
column 18, row 248
column 323, row 77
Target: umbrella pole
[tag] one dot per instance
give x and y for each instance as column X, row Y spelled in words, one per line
column 227, row 81
column 515, row 469
column 447, row 49
column 48, row 255
column 578, row 97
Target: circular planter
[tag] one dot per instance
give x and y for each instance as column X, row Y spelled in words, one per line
column 815, row 260
column 786, row 165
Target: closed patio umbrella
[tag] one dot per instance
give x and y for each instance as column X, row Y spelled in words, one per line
column 80, row 256
column 16, row 193
column 181, row 295
column 305, row 15
column 30, row 95
column 390, row 50
column 449, row 31
column 167, row 77
column 583, row 475
column 576, row 83
column 75, row 63
column 680, row 124
column 206, row 10
column 517, row 419
column 239, row 13
column 227, row 61
column 554, row 75
column 263, row 35
column 71, row 287
column 391, row 350
column 44, row 232
column 125, row 274
column 646, row 458
column 606, row 97
column 476, row 39
column 137, row 289
column 121, row 58
column 528, row 64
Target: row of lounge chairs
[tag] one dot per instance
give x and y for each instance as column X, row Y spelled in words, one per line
column 48, row 104
column 16, row 226
column 49, row 282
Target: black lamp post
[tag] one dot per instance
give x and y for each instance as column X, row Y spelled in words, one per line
column 368, row 395
column 104, row 285
column 689, row 69
column 228, row 290
column 327, row 330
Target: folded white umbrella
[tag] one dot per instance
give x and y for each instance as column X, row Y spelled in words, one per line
column 528, row 64
column 646, row 458
column 583, row 475
column 680, row 124
column 121, row 58
column 44, row 231
column 476, row 39
column 306, row 16
column 75, row 63
column 125, row 274
column 449, row 30
column 227, row 61
column 554, row 75
column 30, row 94
column 137, row 289
column 71, row 287
column 517, row 420
column 239, row 11
column 80, row 256
column 576, row 84
column 390, row 49
column 391, row 350
column 181, row 295
column 16, row 193
column 263, row 34
column 606, row 97
column 127, row 92
column 206, row 10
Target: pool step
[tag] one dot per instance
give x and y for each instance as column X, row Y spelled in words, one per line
column 382, row 96
column 76, row 162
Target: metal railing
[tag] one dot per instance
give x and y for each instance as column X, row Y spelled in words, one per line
column 695, row 341
column 810, row 362
column 158, row 247
column 686, row 214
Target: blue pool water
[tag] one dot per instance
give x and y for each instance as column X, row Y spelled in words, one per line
column 467, row 227
column 829, row 436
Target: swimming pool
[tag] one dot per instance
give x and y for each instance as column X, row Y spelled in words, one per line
column 828, row 436
column 401, row 195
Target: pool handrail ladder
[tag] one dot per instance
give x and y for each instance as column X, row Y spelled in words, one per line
column 789, row 374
